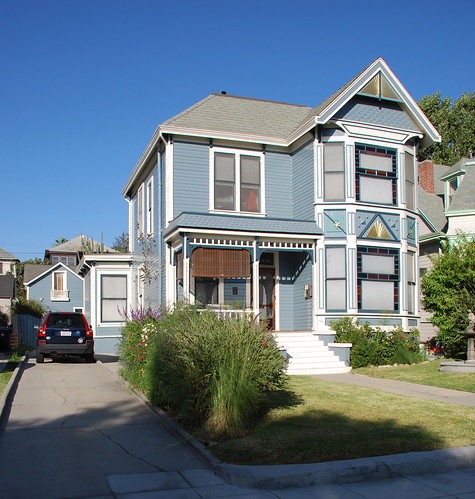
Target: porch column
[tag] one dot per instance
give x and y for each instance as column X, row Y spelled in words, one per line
column 314, row 287
column 255, row 280
column 186, row 269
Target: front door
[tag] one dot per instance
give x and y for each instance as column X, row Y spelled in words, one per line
column 266, row 296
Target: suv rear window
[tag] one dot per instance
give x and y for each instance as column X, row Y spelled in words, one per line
column 65, row 320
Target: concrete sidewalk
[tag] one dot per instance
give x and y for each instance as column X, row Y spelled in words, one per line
column 75, row 431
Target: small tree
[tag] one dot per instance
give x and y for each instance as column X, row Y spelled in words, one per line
column 121, row 243
column 449, row 293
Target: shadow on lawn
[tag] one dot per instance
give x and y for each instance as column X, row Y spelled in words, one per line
column 318, row 435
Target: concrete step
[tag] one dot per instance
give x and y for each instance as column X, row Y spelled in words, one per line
column 307, row 354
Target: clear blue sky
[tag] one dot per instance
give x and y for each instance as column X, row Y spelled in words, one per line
column 84, row 83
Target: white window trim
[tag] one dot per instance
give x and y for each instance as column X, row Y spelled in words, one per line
column 64, row 296
column 108, row 273
column 149, row 207
column 140, row 210
column 237, row 194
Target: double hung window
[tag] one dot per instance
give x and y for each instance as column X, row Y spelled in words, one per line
column 59, row 291
column 140, row 210
column 376, row 176
column 113, row 297
column 237, row 182
column 411, row 282
column 334, row 172
column 150, row 207
column 410, row 182
column 335, row 262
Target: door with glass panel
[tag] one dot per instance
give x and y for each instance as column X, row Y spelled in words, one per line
column 267, row 296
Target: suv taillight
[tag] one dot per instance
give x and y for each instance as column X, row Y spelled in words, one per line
column 89, row 331
column 42, row 331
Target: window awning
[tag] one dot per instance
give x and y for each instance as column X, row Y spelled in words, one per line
column 213, row 262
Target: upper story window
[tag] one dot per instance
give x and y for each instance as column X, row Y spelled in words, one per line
column 140, row 210
column 410, row 182
column 149, row 212
column 376, row 177
column 334, row 171
column 237, row 182
column 70, row 261
column 59, row 291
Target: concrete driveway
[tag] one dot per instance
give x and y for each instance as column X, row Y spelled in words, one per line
column 71, row 425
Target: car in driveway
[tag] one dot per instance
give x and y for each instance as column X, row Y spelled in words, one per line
column 64, row 334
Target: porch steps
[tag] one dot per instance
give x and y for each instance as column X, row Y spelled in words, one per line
column 309, row 354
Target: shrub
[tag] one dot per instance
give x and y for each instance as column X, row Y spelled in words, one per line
column 28, row 307
column 212, row 373
column 374, row 346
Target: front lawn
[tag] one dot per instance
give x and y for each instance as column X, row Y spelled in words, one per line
column 426, row 373
column 314, row 420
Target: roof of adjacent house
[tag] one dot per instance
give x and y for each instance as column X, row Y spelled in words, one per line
column 463, row 198
column 77, row 244
column 33, row 270
column 432, row 208
column 5, row 255
column 243, row 224
column 7, row 286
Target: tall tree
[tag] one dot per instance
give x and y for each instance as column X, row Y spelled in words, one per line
column 456, row 125
column 449, row 293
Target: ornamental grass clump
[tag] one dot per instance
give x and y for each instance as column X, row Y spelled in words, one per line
column 211, row 372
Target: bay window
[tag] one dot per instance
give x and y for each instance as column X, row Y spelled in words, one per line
column 335, row 262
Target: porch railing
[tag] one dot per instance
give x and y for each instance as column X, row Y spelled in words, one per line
column 229, row 313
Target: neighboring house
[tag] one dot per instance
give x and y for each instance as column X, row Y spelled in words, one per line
column 7, row 284
column 7, row 262
column 447, row 209
column 58, row 287
column 295, row 214
column 71, row 252
column 7, row 294
column 107, row 291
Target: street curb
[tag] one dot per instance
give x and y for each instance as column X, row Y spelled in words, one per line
column 9, row 392
column 347, row 471
column 310, row 474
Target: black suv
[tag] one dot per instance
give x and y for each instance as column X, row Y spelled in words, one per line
column 64, row 333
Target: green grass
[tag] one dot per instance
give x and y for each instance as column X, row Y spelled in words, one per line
column 426, row 373
column 315, row 421
column 6, row 374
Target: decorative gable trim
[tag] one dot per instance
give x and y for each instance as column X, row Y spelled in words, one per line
column 406, row 101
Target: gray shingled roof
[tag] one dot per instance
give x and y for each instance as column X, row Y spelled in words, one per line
column 33, row 270
column 228, row 113
column 245, row 224
column 74, row 245
column 432, row 206
column 5, row 255
column 459, row 167
column 464, row 197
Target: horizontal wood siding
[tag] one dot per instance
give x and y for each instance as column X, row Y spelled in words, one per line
column 278, row 185
column 303, row 183
column 190, row 177
column 302, row 305
column 41, row 290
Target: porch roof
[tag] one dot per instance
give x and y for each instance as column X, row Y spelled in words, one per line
column 187, row 221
